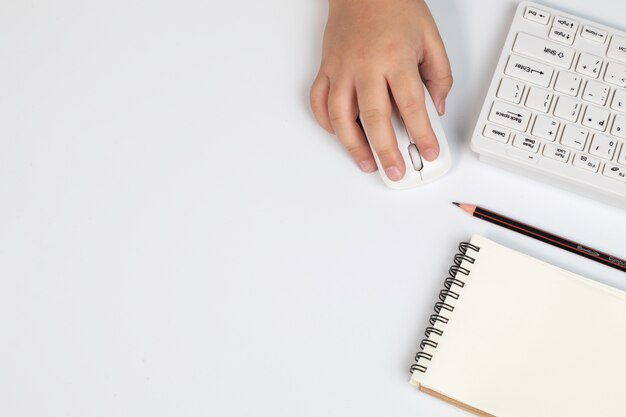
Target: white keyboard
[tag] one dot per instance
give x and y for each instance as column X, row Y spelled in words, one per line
column 557, row 102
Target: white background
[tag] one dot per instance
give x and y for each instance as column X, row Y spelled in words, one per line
column 179, row 238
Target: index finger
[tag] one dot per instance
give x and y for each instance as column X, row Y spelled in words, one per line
column 375, row 108
column 408, row 91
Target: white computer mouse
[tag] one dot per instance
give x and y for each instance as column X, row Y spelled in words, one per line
column 418, row 170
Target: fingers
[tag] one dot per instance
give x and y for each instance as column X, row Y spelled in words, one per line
column 436, row 72
column 319, row 101
column 342, row 115
column 375, row 107
column 408, row 92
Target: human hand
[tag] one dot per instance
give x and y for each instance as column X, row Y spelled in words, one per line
column 375, row 50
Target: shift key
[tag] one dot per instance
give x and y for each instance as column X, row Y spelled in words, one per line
column 509, row 116
column 544, row 50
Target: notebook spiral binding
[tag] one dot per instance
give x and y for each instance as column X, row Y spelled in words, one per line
column 438, row 319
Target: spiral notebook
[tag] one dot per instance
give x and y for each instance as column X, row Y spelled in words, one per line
column 512, row 336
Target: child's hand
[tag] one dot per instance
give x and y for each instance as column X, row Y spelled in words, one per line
column 374, row 49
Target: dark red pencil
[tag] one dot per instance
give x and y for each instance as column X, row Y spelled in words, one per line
column 542, row 235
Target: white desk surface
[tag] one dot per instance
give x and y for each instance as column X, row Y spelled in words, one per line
column 179, row 238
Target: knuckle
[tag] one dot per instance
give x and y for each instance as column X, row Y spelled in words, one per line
column 373, row 115
column 393, row 44
column 335, row 113
column 386, row 151
column 335, row 117
column 444, row 81
column 411, row 106
column 424, row 139
column 370, row 53
column 448, row 80
column 355, row 150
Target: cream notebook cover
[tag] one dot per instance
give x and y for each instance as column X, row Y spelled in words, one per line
column 512, row 336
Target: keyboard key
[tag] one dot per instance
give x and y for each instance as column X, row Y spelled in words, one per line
column 567, row 108
column 511, row 90
column 615, row 171
column 619, row 126
column 510, row 116
column 539, row 99
column 622, row 157
column 617, row 49
column 565, row 23
column 546, row 127
column 586, row 162
column 589, row 65
column 596, row 117
column 526, row 143
column 556, row 152
column 574, row 137
column 496, row 133
column 619, row 101
column 615, row 74
column 568, row 83
column 543, row 50
column 594, row 34
column 529, row 70
column 596, row 92
column 536, row 15
column 603, row 146
column 564, row 36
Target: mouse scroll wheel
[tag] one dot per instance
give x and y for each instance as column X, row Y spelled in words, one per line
column 416, row 158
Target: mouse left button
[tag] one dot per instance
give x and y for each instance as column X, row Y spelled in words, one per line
column 416, row 158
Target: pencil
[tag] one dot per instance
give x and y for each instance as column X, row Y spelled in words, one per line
column 543, row 236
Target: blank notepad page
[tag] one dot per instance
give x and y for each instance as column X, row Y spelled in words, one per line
column 528, row 339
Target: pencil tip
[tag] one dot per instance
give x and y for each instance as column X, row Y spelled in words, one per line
column 456, row 204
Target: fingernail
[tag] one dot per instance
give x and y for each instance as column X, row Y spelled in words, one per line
column 367, row 166
column 441, row 108
column 430, row 154
column 393, row 173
